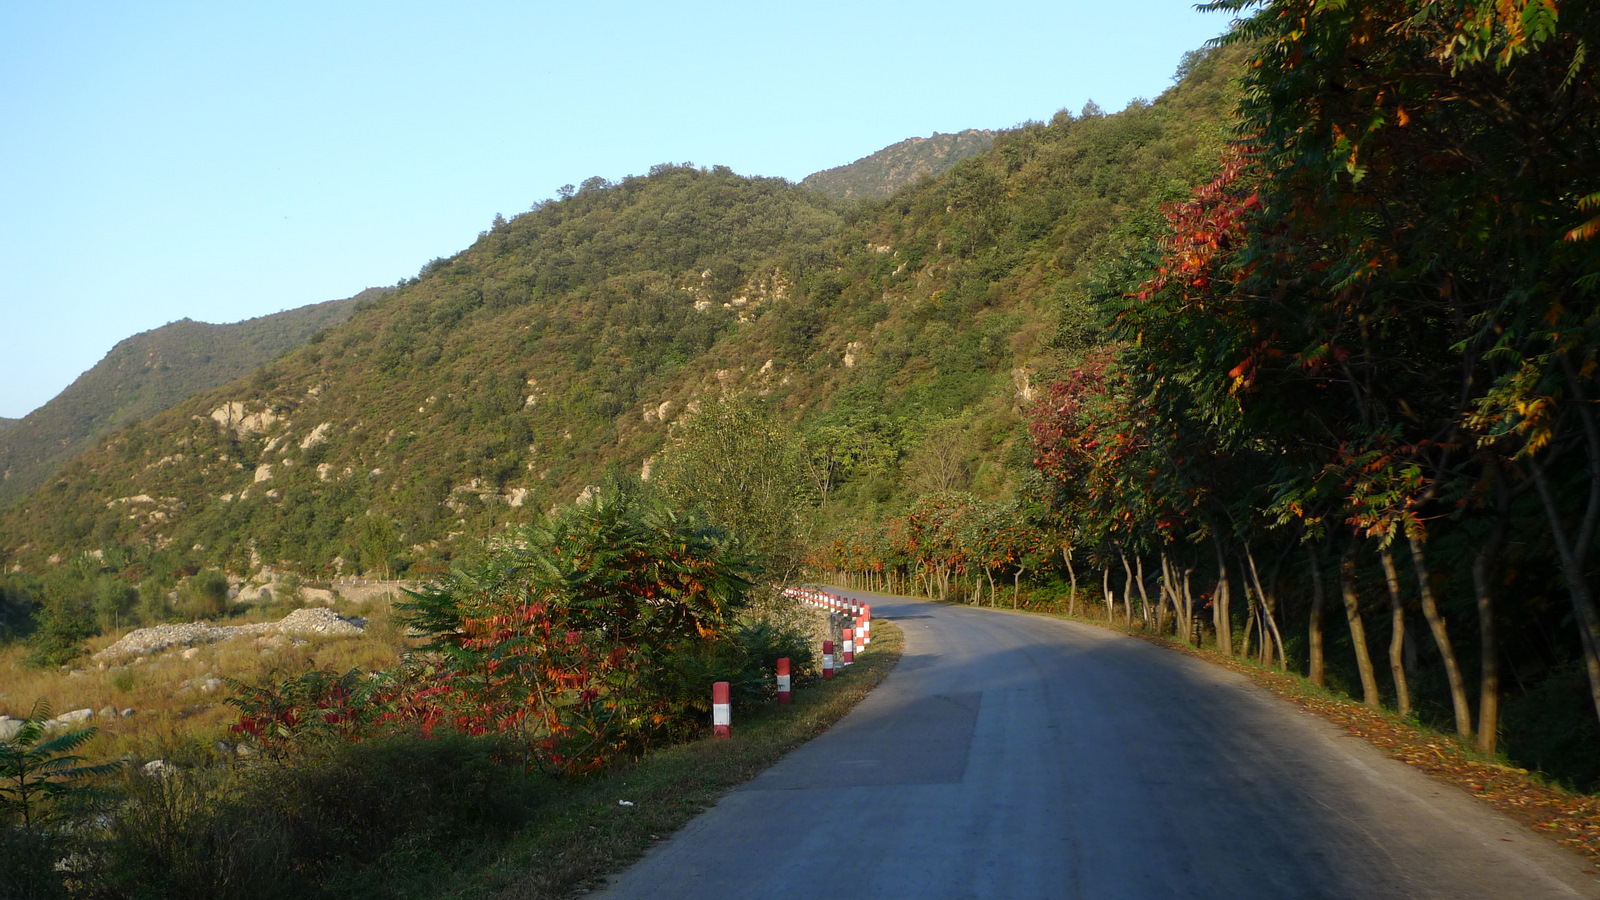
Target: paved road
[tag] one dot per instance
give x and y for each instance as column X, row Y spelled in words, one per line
column 1017, row 756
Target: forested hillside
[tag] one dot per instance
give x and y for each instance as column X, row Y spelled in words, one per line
column 569, row 338
column 144, row 375
column 886, row 171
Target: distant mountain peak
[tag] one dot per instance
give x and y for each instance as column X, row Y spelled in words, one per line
column 895, row 166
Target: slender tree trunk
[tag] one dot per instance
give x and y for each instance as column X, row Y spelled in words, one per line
column 1249, row 622
column 1397, row 638
column 1269, row 614
column 1072, row 593
column 1193, row 626
column 1016, row 586
column 1358, row 632
column 1169, row 592
column 1144, row 595
column 1127, row 589
column 1570, row 554
column 1441, row 637
column 1317, row 672
column 1105, row 588
column 1221, row 614
column 1489, row 673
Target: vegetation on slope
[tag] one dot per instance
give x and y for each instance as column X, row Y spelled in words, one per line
column 142, row 376
column 573, row 336
column 879, row 175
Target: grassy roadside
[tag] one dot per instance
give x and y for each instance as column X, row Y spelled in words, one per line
column 1568, row 818
column 581, row 831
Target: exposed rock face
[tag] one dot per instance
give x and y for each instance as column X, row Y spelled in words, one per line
column 300, row 623
column 317, row 436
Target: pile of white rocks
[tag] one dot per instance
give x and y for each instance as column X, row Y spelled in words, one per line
column 78, row 718
column 300, row 623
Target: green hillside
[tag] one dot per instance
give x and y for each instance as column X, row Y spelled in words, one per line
column 144, row 375
column 510, row 376
column 892, row 168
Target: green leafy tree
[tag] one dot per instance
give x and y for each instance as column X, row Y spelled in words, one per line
column 379, row 541
column 733, row 460
column 64, row 620
column 39, row 773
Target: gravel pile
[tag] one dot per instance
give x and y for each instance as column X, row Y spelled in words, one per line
column 300, row 623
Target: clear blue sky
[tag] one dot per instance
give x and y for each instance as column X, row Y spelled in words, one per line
column 220, row 161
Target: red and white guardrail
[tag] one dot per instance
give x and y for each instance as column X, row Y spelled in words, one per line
column 856, row 633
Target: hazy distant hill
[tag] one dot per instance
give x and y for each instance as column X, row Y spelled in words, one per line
column 895, row 166
column 146, row 374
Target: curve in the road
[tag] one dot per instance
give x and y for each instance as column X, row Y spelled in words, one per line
column 1011, row 755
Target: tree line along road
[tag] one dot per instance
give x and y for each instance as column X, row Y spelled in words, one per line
column 1011, row 755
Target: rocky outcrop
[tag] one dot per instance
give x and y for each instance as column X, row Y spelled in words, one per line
column 300, row 623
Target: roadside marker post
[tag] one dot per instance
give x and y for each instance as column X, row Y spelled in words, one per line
column 849, row 646
column 827, row 659
column 721, row 710
column 783, row 681
column 866, row 625
column 860, row 633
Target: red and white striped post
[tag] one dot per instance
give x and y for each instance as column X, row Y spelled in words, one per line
column 783, row 681
column 827, row 659
column 849, row 646
column 861, row 633
column 866, row 625
column 721, row 710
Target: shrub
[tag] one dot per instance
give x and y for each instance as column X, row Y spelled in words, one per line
column 574, row 639
column 205, row 595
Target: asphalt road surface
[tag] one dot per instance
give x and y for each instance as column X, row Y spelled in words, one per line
column 1018, row 756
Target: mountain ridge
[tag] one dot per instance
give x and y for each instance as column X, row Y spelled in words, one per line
column 510, row 376
column 146, row 373
column 878, row 175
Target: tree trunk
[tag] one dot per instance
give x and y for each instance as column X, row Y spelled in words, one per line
column 1397, row 634
column 1249, row 622
column 1016, row 586
column 1358, row 632
column 1570, row 553
column 1144, row 595
column 1193, row 625
column 1221, row 614
column 1489, row 673
column 1111, row 599
column 1127, row 589
column 1441, row 636
column 1072, row 593
column 1269, row 614
column 1169, row 590
column 1317, row 672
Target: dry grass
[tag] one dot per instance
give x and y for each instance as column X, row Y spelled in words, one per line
column 173, row 714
